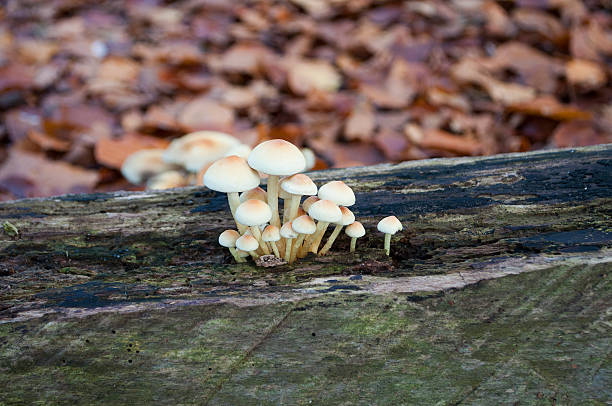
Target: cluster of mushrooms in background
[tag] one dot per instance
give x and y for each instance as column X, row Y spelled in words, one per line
column 256, row 212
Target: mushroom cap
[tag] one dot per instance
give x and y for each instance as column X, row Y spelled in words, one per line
column 242, row 150
column 389, row 225
column 310, row 158
column 299, row 184
column 325, row 210
column 247, row 243
column 228, row 238
column 309, row 201
column 347, row 217
column 195, row 150
column 304, row 225
column 255, row 193
column 167, row 180
column 143, row 164
column 253, row 212
column 355, row 230
column 277, row 157
column 231, row 174
column 338, row 192
column 287, row 231
column 271, row 233
column 281, row 192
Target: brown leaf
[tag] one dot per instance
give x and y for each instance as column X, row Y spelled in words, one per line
column 548, row 106
column 578, row 134
column 112, row 152
column 19, row 122
column 48, row 142
column 206, row 114
column 391, row 143
column 529, row 19
column 399, row 88
column 309, row 75
column 361, row 122
column 585, row 74
column 439, row 139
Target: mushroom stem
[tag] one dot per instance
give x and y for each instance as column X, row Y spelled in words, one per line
column 353, row 243
column 288, row 249
column 293, row 207
column 318, row 236
column 234, row 201
column 262, row 244
column 296, row 246
column 273, row 199
column 387, row 243
column 275, row 249
column 254, row 254
column 331, row 239
column 235, row 255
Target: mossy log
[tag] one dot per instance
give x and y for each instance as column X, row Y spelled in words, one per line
column 497, row 291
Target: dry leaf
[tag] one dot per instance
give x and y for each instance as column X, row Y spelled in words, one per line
column 439, row 139
column 586, row 74
column 549, row 107
column 307, row 75
column 206, row 114
column 361, row 122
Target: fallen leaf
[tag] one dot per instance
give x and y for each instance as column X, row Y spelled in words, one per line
column 578, row 134
column 206, row 114
column 439, row 139
column 585, row 74
column 308, row 75
column 361, row 122
column 548, row 106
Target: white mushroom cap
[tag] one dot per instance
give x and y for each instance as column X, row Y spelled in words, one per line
column 242, row 150
column 253, row 213
column 389, row 225
column 271, row 233
column 281, row 192
column 309, row 201
column 228, row 238
column 299, row 184
column 355, row 230
column 247, row 243
column 325, row 210
column 231, row 174
column 277, row 157
column 287, row 231
column 338, row 192
column 167, row 180
column 255, row 193
column 198, row 149
column 143, row 164
column 310, row 158
column 347, row 217
column 304, row 225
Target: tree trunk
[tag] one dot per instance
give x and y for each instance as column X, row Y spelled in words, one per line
column 497, row 291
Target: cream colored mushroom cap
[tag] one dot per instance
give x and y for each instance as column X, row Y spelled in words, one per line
column 281, row 192
column 231, row 174
column 228, row 238
column 255, row 193
column 347, row 216
column 167, row 180
column 304, row 225
column 389, row 225
column 196, row 150
column 271, row 233
column 253, row 212
column 325, row 210
column 247, row 243
column 310, row 158
column 242, row 150
column 287, row 231
column 277, row 157
column 143, row 164
column 309, row 201
column 299, row 184
column 355, row 230
column 338, row 192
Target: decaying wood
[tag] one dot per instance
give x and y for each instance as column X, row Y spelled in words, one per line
column 496, row 291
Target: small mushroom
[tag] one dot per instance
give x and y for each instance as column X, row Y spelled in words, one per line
column 354, row 230
column 325, row 212
column 288, row 233
column 297, row 186
column 254, row 213
column 347, row 218
column 270, row 235
column 310, row 158
column 276, row 158
column 231, row 175
column 228, row 239
column 143, row 164
column 303, row 225
column 389, row 225
column 338, row 192
column 308, row 202
column 249, row 244
column 167, row 180
column 256, row 193
column 196, row 150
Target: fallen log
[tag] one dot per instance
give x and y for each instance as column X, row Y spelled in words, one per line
column 497, row 291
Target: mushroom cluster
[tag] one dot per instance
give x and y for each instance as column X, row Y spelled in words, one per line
column 186, row 159
column 304, row 223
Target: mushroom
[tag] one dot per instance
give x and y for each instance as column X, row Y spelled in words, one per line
column 303, row 225
column 276, row 158
column 325, row 212
column 196, row 150
column 389, row 225
column 242, row 150
column 347, row 218
column 271, row 234
column 338, row 192
column 143, row 164
column 228, row 239
column 256, row 193
column 167, row 180
column 308, row 202
column 289, row 234
column 231, row 175
column 298, row 186
column 354, row 230
column 310, row 158
column 253, row 213
column 249, row 244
